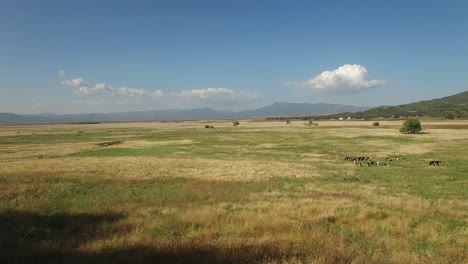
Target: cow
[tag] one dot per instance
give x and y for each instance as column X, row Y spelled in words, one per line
column 434, row 163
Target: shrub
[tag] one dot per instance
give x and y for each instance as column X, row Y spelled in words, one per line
column 411, row 126
column 375, row 124
column 309, row 123
column 235, row 123
column 450, row 116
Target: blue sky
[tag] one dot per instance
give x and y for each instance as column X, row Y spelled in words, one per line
column 105, row 56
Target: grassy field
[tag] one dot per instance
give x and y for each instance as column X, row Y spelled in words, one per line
column 262, row 192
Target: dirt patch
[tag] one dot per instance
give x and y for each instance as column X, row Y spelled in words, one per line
column 110, row 143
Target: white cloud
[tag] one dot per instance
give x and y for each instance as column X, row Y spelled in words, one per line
column 61, row 73
column 105, row 94
column 102, row 89
column 106, row 101
column 217, row 94
column 348, row 78
column 77, row 82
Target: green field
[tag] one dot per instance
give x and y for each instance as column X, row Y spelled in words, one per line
column 262, row 192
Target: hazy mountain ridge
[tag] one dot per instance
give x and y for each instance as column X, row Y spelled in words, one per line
column 293, row 109
column 273, row 110
column 454, row 106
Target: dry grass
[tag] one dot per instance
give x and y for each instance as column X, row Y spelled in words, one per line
column 151, row 168
column 263, row 192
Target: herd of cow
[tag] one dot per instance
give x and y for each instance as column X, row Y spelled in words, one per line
column 366, row 161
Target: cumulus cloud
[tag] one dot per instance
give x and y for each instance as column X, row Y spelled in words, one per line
column 106, row 101
column 217, row 94
column 102, row 94
column 348, row 78
column 77, row 82
column 102, row 89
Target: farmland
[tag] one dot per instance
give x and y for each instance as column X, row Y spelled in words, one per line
column 261, row 192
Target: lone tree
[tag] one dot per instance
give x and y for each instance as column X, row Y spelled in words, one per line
column 235, row 123
column 288, row 121
column 411, row 126
column 376, row 124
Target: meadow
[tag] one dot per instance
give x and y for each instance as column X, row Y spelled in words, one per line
column 261, row 192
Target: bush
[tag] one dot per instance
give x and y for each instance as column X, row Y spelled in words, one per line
column 411, row 126
column 235, row 123
column 376, row 124
column 450, row 116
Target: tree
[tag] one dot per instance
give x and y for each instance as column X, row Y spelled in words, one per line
column 411, row 126
column 288, row 121
column 376, row 124
column 235, row 123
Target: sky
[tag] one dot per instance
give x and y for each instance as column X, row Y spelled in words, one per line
column 70, row 56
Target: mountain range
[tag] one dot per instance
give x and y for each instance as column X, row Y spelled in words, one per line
column 450, row 107
column 273, row 110
column 454, row 106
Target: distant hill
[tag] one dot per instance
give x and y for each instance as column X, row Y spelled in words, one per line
column 14, row 118
column 454, row 106
column 295, row 109
column 273, row 110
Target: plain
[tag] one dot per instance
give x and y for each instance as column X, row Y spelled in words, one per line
column 260, row 192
